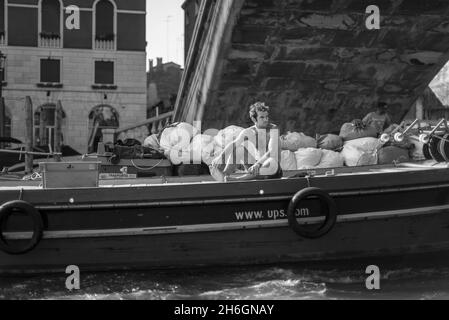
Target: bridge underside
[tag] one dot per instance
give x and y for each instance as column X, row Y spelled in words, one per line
column 316, row 63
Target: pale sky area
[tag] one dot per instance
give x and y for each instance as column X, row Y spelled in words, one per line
column 165, row 30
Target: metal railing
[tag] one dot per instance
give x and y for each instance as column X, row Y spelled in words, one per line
column 139, row 131
column 104, row 45
column 46, row 42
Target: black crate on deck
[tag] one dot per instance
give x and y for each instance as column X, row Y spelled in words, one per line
column 191, row 170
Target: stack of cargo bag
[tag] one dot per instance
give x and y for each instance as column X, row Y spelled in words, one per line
column 202, row 148
column 394, row 151
column 330, row 142
column 331, row 159
column 357, row 130
column 176, row 141
column 308, row 158
column 288, row 161
column 152, row 142
column 361, row 152
column 416, row 151
column 294, row 142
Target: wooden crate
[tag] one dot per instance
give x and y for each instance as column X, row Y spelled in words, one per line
column 69, row 174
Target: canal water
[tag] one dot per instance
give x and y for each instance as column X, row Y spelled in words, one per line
column 254, row 283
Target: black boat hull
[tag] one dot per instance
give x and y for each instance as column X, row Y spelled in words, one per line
column 380, row 215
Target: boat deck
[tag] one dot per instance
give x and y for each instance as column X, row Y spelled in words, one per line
column 12, row 184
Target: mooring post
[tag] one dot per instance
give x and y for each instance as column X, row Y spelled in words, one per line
column 28, row 135
column 2, row 120
column 58, row 131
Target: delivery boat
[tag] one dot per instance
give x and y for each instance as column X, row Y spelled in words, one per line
column 320, row 216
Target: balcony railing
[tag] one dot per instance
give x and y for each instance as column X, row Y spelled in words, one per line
column 139, row 131
column 46, row 41
column 105, row 42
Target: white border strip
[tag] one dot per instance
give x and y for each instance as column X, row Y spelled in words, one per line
column 21, row 5
column 217, row 227
column 131, row 11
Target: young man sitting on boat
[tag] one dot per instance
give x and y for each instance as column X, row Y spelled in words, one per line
column 257, row 149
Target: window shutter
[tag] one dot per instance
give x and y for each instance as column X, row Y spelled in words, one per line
column 104, row 72
column 51, row 70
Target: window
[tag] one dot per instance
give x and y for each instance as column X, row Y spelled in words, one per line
column 51, row 19
column 104, row 21
column 44, row 125
column 50, row 70
column 104, row 72
column 2, row 18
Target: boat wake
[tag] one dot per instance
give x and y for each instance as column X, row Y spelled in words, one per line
column 287, row 283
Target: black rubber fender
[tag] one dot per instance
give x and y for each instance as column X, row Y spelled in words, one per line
column 5, row 212
column 435, row 150
column 331, row 213
column 115, row 159
column 443, row 147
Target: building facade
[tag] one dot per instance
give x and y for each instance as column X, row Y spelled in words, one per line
column 97, row 70
column 163, row 85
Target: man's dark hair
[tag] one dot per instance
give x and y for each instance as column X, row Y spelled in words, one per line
column 257, row 107
column 382, row 105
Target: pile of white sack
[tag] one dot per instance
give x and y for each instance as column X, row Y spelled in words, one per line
column 301, row 152
column 182, row 143
column 361, row 152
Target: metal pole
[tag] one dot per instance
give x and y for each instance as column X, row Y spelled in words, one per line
column 2, row 104
column 29, row 135
column 2, row 120
column 58, row 130
column 31, row 153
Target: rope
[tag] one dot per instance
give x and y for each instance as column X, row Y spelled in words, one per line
column 441, row 138
column 32, row 177
column 146, row 169
column 309, row 184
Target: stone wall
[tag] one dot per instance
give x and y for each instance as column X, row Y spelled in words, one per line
column 317, row 65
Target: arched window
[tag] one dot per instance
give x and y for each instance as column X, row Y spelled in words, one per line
column 50, row 26
column 101, row 117
column 104, row 20
column 44, row 125
column 2, row 19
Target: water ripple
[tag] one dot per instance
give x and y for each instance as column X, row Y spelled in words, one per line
column 272, row 283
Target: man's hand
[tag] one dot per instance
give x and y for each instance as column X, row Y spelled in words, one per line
column 254, row 170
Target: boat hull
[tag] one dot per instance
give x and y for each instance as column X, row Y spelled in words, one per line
column 204, row 225
column 364, row 239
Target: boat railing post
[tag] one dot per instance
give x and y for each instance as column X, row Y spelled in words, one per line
column 2, row 120
column 410, row 127
column 29, row 135
column 400, row 136
column 437, row 127
column 58, row 131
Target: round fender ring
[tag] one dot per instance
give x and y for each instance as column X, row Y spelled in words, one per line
column 331, row 213
column 6, row 211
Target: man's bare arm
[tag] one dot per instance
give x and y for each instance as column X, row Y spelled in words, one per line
column 273, row 147
column 237, row 142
